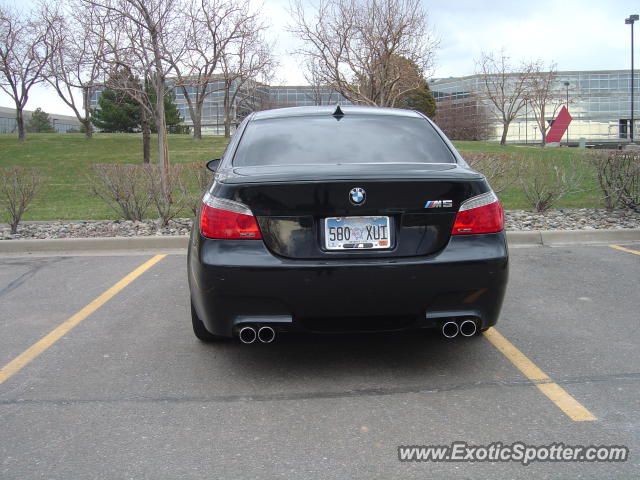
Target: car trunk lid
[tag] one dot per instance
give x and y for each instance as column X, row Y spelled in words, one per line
column 292, row 203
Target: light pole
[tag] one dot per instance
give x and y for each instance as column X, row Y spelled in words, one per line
column 526, row 126
column 566, row 84
column 217, row 118
column 630, row 21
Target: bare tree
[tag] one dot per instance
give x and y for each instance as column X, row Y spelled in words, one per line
column 25, row 50
column 140, row 36
column 245, row 65
column 264, row 100
column 504, row 86
column 464, row 119
column 355, row 44
column 319, row 93
column 75, row 65
column 211, row 26
column 544, row 95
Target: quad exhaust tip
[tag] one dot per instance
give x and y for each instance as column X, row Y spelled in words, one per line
column 266, row 334
column 450, row 329
column 247, row 335
column 468, row 328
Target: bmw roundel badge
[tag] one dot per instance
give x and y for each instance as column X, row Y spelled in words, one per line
column 357, row 195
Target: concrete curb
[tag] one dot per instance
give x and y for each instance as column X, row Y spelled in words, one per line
column 569, row 237
column 128, row 244
column 112, row 244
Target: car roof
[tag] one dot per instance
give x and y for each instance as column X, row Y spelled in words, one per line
column 330, row 110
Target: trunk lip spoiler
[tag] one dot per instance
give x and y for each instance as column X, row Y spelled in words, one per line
column 315, row 176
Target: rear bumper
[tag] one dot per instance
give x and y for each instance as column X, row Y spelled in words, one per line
column 240, row 281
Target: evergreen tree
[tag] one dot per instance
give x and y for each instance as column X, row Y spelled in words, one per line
column 171, row 115
column 420, row 99
column 40, row 122
column 116, row 112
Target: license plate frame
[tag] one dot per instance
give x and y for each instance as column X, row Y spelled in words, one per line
column 361, row 232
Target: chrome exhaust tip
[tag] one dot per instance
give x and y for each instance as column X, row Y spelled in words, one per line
column 450, row 329
column 247, row 335
column 468, row 328
column 266, row 334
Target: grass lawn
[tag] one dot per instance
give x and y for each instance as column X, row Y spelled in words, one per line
column 64, row 160
column 513, row 197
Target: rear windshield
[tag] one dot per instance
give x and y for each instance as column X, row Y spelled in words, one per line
column 352, row 139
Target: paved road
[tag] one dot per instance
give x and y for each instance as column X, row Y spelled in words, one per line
column 130, row 393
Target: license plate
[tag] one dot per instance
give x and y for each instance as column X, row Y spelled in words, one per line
column 357, row 233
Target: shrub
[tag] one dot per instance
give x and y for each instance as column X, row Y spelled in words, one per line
column 618, row 174
column 546, row 179
column 197, row 178
column 167, row 206
column 131, row 190
column 500, row 169
column 123, row 187
column 18, row 187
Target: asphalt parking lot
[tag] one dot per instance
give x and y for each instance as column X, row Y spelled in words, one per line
column 124, row 390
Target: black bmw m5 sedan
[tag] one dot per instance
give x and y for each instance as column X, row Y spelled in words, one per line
column 342, row 219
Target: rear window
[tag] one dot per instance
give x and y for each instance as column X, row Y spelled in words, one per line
column 352, row 139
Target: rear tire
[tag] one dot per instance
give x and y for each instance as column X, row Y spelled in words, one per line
column 200, row 330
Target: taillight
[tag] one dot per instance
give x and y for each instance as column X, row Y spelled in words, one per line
column 221, row 218
column 480, row 214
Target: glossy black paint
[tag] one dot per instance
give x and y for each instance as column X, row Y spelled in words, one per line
column 290, row 213
column 235, row 281
column 213, row 164
column 289, row 281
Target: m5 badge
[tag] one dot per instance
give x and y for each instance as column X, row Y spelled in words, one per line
column 439, row 204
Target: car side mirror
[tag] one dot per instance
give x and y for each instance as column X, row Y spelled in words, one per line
column 213, row 164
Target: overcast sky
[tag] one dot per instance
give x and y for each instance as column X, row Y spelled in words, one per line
column 575, row 34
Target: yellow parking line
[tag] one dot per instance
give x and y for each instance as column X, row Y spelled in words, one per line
column 61, row 330
column 628, row 250
column 558, row 395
